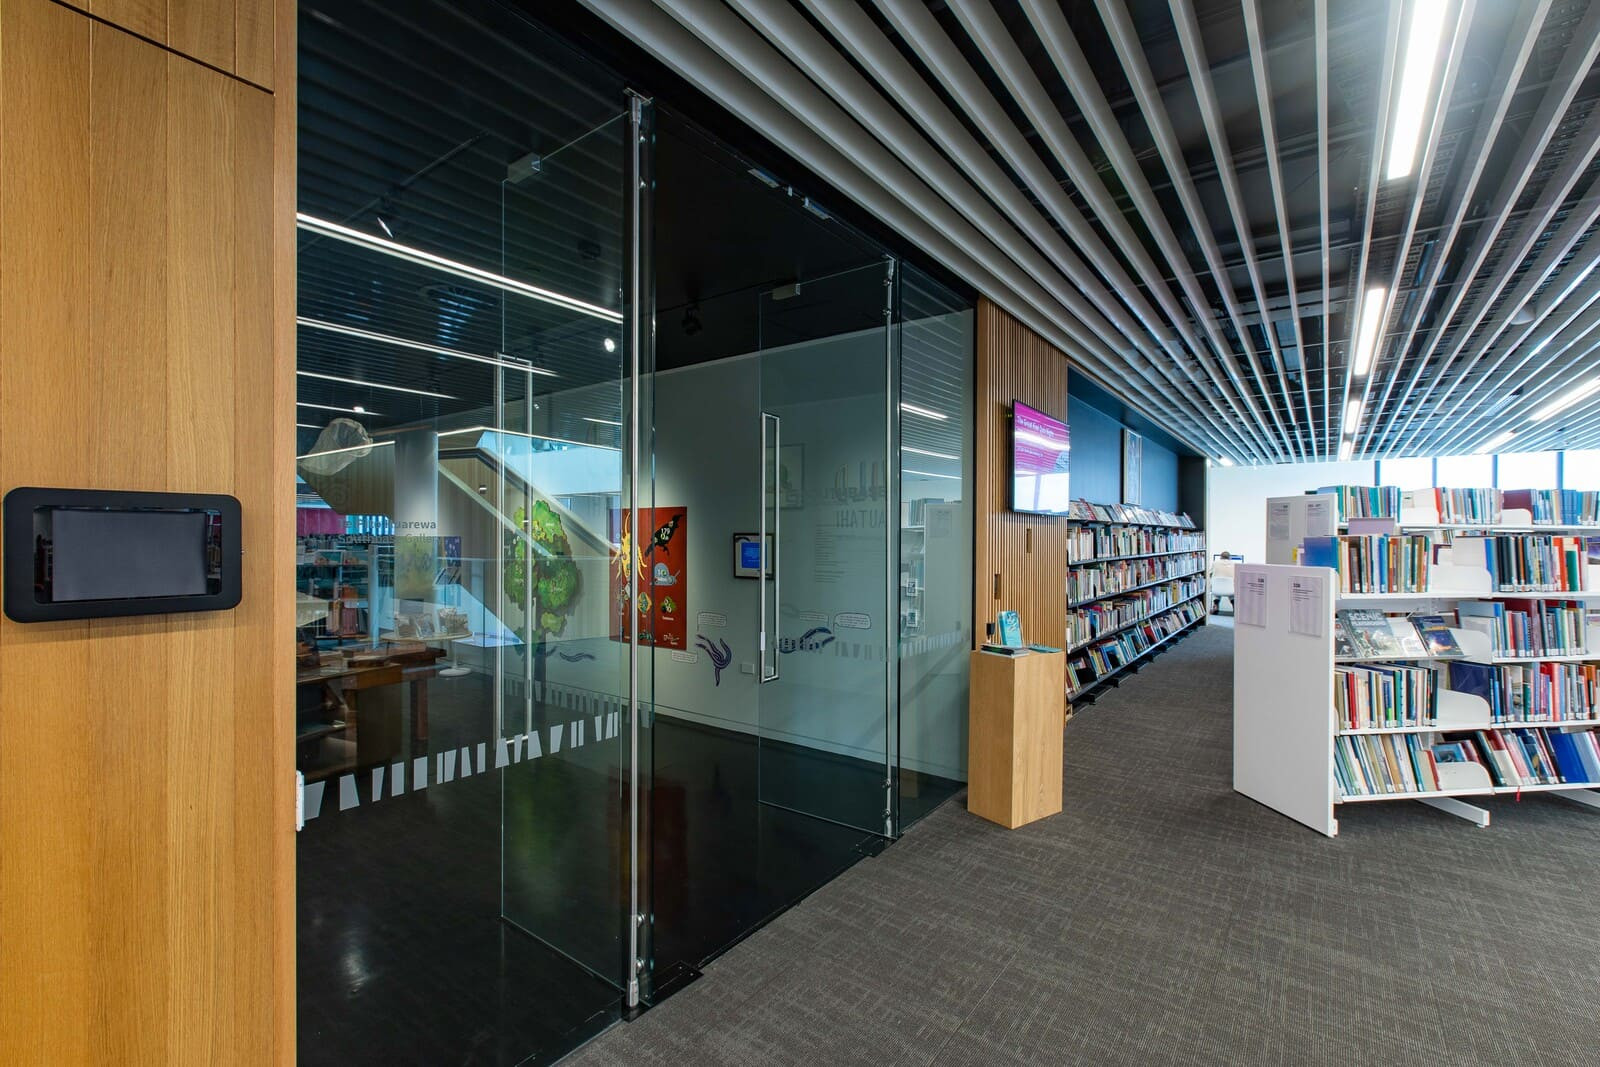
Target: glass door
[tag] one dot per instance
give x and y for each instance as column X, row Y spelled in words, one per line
column 570, row 467
column 827, row 618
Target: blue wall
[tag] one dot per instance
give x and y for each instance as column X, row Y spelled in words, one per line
column 1097, row 461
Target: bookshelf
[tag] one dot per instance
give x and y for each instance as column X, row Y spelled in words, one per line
column 1135, row 582
column 1287, row 734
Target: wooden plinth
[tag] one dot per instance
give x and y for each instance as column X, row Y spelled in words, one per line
column 1014, row 737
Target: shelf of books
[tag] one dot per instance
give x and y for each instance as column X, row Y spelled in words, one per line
column 1135, row 586
column 1480, row 679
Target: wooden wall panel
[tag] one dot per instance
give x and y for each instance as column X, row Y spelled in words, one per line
column 146, row 774
column 1026, row 554
column 236, row 36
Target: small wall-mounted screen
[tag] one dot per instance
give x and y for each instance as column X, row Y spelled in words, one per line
column 117, row 555
column 1040, row 449
column 101, row 553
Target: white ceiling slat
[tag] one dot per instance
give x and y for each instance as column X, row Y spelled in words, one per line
column 1269, row 138
column 674, row 44
column 918, row 28
column 855, row 32
column 1130, row 52
column 1330, row 432
column 1050, row 24
column 1222, row 157
column 954, row 123
column 1528, row 20
column 1577, row 60
column 1394, row 307
column 1546, row 268
column 1513, row 253
column 982, row 25
column 829, row 70
column 1358, row 282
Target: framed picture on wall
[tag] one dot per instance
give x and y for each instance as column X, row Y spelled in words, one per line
column 1132, row 467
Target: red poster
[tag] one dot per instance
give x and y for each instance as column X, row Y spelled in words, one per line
column 657, row 595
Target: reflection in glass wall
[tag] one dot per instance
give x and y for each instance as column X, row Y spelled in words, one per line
column 461, row 704
column 935, row 572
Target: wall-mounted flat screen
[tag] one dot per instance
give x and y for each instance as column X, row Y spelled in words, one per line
column 1040, row 449
column 90, row 554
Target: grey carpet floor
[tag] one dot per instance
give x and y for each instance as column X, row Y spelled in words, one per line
column 1162, row 918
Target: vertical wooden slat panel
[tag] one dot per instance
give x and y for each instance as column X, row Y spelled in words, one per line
column 45, row 717
column 203, row 29
column 148, row 18
column 200, row 361
column 255, row 823
column 1014, row 363
column 255, row 50
column 127, row 660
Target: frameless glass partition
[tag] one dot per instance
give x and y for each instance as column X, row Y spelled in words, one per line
column 468, row 361
column 933, row 586
column 826, row 639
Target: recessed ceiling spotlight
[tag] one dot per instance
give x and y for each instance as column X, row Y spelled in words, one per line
column 1225, row 461
column 358, row 409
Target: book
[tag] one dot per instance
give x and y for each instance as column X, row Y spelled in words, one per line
column 1406, row 636
column 1007, row 650
column 1434, row 630
column 1008, row 625
column 1370, row 634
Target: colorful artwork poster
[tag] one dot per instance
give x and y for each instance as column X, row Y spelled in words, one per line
column 649, row 577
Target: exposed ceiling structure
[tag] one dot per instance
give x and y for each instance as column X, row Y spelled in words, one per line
column 1207, row 203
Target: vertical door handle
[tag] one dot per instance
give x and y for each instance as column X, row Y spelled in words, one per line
column 770, row 487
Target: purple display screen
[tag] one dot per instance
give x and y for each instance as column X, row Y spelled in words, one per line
column 1040, row 448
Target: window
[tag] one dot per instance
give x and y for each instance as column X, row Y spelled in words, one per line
column 1406, row 473
column 1581, row 470
column 1526, row 470
column 1465, row 472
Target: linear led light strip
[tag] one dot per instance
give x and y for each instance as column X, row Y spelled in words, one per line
column 1416, row 78
column 450, row 266
column 421, row 346
column 357, row 410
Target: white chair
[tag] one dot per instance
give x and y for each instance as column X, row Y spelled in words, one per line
column 1221, row 585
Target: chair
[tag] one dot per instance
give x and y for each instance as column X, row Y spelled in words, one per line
column 1220, row 583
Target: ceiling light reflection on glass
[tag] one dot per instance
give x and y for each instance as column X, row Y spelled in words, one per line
column 422, row 346
column 912, row 409
column 425, row 258
column 373, row 385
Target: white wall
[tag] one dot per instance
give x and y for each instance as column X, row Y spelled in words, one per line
column 1236, row 499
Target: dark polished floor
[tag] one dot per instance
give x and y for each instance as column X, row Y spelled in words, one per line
column 404, row 956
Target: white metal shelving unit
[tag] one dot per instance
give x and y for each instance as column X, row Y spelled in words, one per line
column 1283, row 721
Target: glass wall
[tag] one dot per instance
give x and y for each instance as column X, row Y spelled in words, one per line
column 462, row 710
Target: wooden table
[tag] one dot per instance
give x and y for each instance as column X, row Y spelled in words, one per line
column 339, row 702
